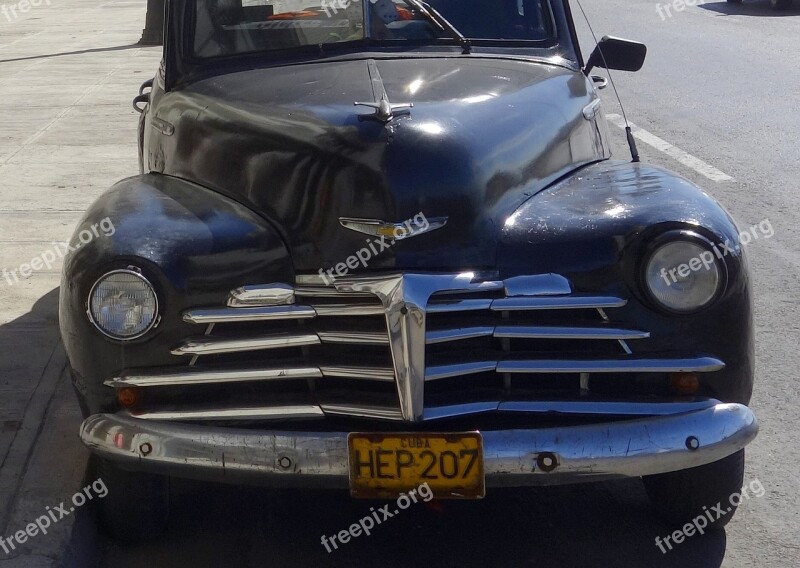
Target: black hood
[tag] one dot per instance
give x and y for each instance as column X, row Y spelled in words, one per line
column 483, row 135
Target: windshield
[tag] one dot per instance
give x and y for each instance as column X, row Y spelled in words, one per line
column 229, row 27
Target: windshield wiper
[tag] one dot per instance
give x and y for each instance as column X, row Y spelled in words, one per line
column 441, row 22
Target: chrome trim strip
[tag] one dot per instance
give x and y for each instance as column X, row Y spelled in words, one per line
column 456, row 334
column 470, row 368
column 557, row 303
column 349, row 310
column 696, row 365
column 362, row 411
column 548, row 332
column 608, row 450
column 212, row 377
column 297, row 411
column 363, row 373
column 354, row 337
column 261, row 294
column 537, row 285
column 447, row 306
column 211, row 346
column 232, row 315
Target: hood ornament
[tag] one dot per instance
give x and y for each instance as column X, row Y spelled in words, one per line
column 384, row 110
column 394, row 231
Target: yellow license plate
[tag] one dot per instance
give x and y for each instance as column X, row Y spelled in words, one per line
column 382, row 466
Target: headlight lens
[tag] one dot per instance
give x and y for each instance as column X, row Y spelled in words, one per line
column 123, row 304
column 683, row 276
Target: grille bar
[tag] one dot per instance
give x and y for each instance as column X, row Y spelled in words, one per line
column 262, row 295
column 543, row 332
column 349, row 310
column 212, row 346
column 232, row 315
column 300, row 411
column 362, row 411
column 457, row 369
column 557, row 303
column 354, row 337
column 366, row 373
column 328, row 292
column 212, row 377
column 457, row 333
column 695, row 365
column 593, row 407
column 441, row 305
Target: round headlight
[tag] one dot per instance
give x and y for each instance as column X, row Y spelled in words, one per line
column 123, row 304
column 683, row 276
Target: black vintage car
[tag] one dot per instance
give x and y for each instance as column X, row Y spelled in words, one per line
column 376, row 244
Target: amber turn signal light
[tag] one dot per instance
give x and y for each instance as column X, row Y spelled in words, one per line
column 684, row 383
column 128, row 396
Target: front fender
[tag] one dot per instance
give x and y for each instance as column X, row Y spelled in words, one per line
column 594, row 227
column 194, row 245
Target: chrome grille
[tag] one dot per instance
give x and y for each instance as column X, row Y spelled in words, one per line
column 367, row 347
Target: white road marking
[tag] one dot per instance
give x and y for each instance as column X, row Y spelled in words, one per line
column 684, row 158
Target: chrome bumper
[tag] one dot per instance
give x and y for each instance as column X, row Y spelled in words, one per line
column 511, row 457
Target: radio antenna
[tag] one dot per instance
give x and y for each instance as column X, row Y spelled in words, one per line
column 628, row 132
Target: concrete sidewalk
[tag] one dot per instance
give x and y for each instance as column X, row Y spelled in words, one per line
column 68, row 72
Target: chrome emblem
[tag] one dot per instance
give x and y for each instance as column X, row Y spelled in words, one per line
column 396, row 231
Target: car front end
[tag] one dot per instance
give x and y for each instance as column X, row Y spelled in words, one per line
column 371, row 269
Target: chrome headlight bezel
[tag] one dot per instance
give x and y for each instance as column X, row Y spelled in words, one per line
column 133, row 271
column 701, row 244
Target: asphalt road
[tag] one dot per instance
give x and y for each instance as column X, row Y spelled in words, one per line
column 720, row 84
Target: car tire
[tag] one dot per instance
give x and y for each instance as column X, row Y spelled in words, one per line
column 780, row 4
column 136, row 507
column 681, row 496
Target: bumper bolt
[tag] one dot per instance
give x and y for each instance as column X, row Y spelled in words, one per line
column 692, row 443
column 547, row 461
column 285, row 463
column 146, row 449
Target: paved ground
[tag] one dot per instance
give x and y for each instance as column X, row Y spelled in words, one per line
column 720, row 85
column 68, row 71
